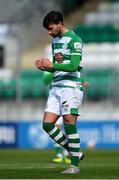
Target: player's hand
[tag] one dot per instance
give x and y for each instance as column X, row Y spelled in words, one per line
column 39, row 63
column 47, row 64
column 43, row 64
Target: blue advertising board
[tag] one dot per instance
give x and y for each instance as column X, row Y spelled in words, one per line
column 8, row 135
column 100, row 134
column 31, row 135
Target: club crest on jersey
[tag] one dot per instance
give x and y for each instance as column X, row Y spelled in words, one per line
column 59, row 57
column 77, row 45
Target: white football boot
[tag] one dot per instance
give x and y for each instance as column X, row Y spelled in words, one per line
column 72, row 170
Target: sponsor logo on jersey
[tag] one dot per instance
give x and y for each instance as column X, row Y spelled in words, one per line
column 77, row 45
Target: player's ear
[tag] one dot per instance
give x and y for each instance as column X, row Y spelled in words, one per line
column 60, row 24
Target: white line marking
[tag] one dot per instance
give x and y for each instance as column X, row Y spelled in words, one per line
column 26, row 166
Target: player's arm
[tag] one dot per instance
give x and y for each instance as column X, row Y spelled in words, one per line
column 47, row 77
column 76, row 53
column 49, row 70
column 71, row 67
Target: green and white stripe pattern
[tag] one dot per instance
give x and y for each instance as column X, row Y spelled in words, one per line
column 70, row 45
column 73, row 143
column 56, row 134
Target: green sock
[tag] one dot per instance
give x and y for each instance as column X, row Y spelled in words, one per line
column 73, row 143
column 59, row 150
column 56, row 134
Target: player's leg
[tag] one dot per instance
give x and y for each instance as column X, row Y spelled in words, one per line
column 52, row 113
column 62, row 155
column 59, row 158
column 70, row 111
column 55, row 133
column 73, row 139
column 58, row 149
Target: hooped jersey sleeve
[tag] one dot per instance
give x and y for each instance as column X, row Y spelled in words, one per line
column 75, row 46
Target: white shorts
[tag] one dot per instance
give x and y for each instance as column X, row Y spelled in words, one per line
column 62, row 101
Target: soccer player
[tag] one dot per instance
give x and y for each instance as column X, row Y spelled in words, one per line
column 62, row 155
column 65, row 96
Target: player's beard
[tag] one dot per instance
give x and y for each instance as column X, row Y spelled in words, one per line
column 58, row 34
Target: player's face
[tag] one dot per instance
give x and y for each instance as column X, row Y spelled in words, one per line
column 54, row 29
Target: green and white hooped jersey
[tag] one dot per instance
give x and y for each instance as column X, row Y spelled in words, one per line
column 66, row 47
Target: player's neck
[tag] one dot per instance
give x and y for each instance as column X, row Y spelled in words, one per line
column 64, row 30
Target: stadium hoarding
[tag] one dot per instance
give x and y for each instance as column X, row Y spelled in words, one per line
column 25, row 134
column 99, row 134
column 93, row 134
column 31, row 135
column 8, row 135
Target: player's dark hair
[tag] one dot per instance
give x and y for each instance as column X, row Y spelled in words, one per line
column 52, row 17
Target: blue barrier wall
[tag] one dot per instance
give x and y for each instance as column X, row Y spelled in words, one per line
column 101, row 134
column 8, row 135
column 31, row 135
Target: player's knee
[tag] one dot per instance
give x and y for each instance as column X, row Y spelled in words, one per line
column 67, row 120
column 70, row 119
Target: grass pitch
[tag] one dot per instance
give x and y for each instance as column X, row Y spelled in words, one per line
column 37, row 164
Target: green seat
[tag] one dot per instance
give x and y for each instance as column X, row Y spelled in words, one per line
column 98, row 33
column 28, row 83
column 39, row 89
column 33, row 88
column 99, row 83
column 1, row 89
column 9, row 89
column 31, row 73
column 25, row 86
